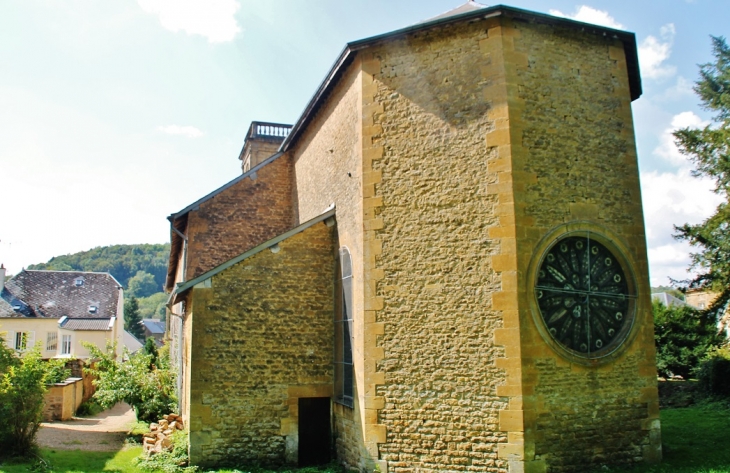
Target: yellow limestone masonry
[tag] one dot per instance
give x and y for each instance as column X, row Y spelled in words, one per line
column 492, row 134
column 449, row 153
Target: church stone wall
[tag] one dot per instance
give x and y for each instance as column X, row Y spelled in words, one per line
column 574, row 159
column 327, row 168
column 438, row 223
column 263, row 338
column 251, row 211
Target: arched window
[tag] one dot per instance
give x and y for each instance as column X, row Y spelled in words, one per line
column 343, row 330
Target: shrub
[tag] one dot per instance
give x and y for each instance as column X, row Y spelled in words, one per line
column 146, row 386
column 89, row 408
column 713, row 373
column 683, row 336
column 57, row 371
column 22, row 388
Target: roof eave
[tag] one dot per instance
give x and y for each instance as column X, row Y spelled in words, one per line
column 182, row 288
column 343, row 60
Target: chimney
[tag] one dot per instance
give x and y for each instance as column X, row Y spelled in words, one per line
column 2, row 277
column 262, row 141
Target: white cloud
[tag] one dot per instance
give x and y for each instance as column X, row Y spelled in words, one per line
column 587, row 14
column 214, row 19
column 667, row 149
column 653, row 52
column 681, row 89
column 189, row 131
column 673, row 199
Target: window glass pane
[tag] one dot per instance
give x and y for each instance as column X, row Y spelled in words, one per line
column 344, row 382
column 52, row 341
column 348, row 381
column 66, row 345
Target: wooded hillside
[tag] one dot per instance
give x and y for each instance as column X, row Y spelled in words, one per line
column 122, row 261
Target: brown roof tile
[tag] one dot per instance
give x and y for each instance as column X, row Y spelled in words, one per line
column 54, row 294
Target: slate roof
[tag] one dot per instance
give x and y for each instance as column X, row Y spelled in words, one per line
column 131, row 342
column 54, row 294
column 465, row 8
column 667, row 299
column 86, row 324
column 154, row 326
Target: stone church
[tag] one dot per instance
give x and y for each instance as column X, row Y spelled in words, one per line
column 441, row 266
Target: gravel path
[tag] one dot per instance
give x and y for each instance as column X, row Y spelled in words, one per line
column 103, row 432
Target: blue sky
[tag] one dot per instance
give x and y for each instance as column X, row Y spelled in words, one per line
column 114, row 115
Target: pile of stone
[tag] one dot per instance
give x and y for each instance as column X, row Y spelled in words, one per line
column 159, row 436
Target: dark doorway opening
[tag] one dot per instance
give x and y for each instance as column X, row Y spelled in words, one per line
column 315, row 438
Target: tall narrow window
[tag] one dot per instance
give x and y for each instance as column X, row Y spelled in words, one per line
column 52, row 341
column 66, row 345
column 344, row 382
column 21, row 341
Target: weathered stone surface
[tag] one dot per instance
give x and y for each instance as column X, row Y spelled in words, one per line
column 441, row 407
column 280, row 332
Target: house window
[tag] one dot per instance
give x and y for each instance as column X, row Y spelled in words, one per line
column 66, row 345
column 22, row 341
column 52, row 341
column 79, row 282
column 344, row 382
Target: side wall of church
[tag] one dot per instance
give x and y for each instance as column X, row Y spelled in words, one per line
column 327, row 170
column 574, row 159
column 248, row 213
column 263, row 337
column 438, row 221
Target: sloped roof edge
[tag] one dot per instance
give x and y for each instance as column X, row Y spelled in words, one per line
column 184, row 287
column 347, row 54
column 73, row 271
column 225, row 186
column 175, row 238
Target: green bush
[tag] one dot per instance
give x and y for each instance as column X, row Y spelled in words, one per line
column 22, row 388
column 683, row 335
column 713, row 373
column 57, row 371
column 89, row 408
column 146, row 386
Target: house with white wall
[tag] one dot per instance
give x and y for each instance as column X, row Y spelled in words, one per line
column 59, row 310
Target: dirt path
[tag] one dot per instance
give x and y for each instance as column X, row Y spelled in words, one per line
column 103, row 432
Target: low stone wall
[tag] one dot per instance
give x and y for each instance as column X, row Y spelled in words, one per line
column 62, row 399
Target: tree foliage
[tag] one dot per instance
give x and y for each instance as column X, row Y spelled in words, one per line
column 22, row 389
column 143, row 284
column 148, row 387
column 132, row 318
column 709, row 150
column 153, row 307
column 122, row 261
column 683, row 337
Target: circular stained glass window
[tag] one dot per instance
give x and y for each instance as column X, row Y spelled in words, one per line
column 584, row 297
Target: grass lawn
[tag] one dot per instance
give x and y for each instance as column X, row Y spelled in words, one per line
column 77, row 461
column 694, row 441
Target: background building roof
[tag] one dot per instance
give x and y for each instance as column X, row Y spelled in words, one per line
column 54, row 294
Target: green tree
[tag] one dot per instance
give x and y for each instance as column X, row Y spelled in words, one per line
column 153, row 307
column 22, row 389
column 709, row 149
column 122, row 261
column 683, row 337
column 150, row 348
column 132, row 319
column 142, row 284
column 149, row 388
